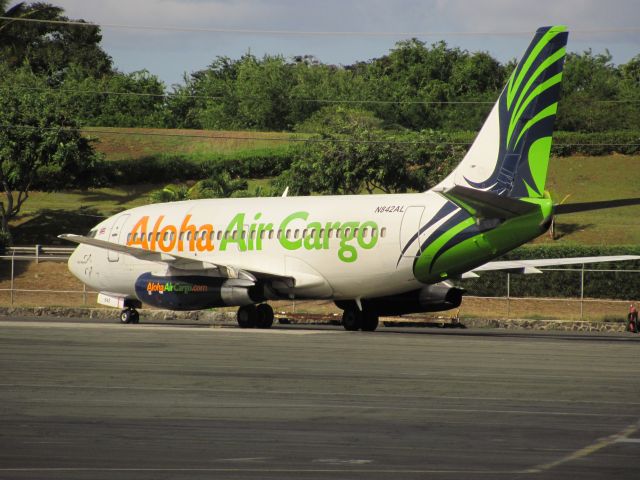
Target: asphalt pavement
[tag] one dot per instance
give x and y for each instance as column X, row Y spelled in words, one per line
column 90, row 400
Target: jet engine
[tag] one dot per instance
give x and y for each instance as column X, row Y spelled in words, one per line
column 431, row 298
column 195, row 292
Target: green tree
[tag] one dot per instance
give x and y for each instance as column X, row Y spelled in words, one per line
column 40, row 145
column 220, row 184
column 356, row 158
column 589, row 80
column 48, row 48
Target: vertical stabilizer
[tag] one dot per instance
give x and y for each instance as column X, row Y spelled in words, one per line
column 510, row 155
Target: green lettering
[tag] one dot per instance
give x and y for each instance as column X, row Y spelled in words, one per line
column 236, row 224
column 348, row 253
column 367, row 245
column 284, row 241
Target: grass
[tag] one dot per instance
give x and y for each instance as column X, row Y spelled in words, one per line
column 131, row 143
column 591, row 179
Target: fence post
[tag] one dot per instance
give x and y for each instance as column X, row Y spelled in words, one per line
column 508, row 296
column 13, row 255
column 582, row 293
column 37, row 248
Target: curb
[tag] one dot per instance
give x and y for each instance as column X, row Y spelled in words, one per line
column 213, row 317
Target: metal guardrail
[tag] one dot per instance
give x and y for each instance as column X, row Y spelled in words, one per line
column 37, row 253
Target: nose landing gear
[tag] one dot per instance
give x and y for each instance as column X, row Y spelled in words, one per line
column 129, row 315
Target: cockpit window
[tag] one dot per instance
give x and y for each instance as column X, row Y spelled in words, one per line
column 92, row 233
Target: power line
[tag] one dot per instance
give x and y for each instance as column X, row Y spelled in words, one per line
column 249, row 31
column 61, row 91
column 222, row 97
column 291, row 138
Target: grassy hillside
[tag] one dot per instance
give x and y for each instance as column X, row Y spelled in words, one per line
column 583, row 178
column 133, row 143
column 587, row 179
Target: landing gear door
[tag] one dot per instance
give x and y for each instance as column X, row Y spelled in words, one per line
column 114, row 236
column 409, row 232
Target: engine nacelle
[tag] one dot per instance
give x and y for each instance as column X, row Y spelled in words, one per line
column 195, row 292
column 432, row 298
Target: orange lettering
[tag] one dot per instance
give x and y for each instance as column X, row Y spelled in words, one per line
column 204, row 239
column 139, row 230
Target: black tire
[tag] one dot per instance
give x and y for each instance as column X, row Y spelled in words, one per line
column 370, row 321
column 264, row 316
column 247, row 316
column 125, row 316
column 135, row 316
column 352, row 319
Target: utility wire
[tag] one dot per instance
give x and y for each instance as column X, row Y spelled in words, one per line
column 250, row 31
column 62, row 91
column 289, row 139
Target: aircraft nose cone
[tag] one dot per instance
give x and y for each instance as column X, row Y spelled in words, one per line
column 78, row 263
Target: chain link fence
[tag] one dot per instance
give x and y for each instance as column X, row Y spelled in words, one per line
column 38, row 276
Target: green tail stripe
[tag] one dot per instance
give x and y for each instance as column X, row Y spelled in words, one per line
column 437, row 244
column 543, row 66
column 547, row 112
column 537, row 91
column 546, row 38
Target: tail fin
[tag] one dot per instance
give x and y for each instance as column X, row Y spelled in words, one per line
column 510, row 155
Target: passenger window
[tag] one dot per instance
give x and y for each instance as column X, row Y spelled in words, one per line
column 219, row 234
column 383, row 232
column 252, row 235
column 374, row 232
column 296, row 234
column 288, row 235
column 244, row 234
column 234, row 235
column 270, row 234
column 365, row 232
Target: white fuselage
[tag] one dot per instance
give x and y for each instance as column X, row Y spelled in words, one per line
column 290, row 236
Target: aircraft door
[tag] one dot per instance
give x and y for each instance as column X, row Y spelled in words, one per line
column 114, row 236
column 409, row 232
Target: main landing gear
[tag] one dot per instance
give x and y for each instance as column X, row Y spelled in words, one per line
column 255, row 316
column 354, row 319
column 129, row 315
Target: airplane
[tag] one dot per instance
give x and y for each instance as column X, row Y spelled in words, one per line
column 373, row 255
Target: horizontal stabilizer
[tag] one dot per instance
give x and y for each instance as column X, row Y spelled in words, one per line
column 483, row 204
column 588, row 206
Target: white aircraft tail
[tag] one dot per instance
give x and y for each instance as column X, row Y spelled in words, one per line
column 510, row 155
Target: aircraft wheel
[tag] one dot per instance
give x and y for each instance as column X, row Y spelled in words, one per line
column 264, row 316
column 247, row 316
column 370, row 321
column 352, row 319
column 126, row 316
column 135, row 316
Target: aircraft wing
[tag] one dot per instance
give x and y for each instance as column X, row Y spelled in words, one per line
column 180, row 262
column 531, row 266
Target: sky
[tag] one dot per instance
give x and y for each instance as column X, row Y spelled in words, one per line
column 501, row 27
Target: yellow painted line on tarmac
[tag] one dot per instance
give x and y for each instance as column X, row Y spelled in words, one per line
column 621, row 436
column 173, row 328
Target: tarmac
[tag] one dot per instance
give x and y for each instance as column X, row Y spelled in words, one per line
column 94, row 400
